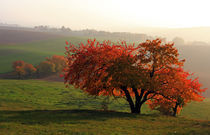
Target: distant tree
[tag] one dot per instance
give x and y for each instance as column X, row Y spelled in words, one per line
column 18, row 63
column 23, row 69
column 64, row 29
column 18, row 68
column 178, row 41
column 45, row 68
column 54, row 64
column 59, row 61
column 29, row 69
column 20, row 72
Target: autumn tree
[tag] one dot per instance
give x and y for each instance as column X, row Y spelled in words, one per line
column 18, row 63
column 29, row 69
column 45, row 68
column 18, row 68
column 59, row 61
column 23, row 69
column 121, row 69
column 19, row 71
column 53, row 64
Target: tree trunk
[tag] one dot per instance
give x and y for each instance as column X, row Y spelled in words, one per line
column 140, row 99
column 129, row 99
column 138, row 108
column 175, row 110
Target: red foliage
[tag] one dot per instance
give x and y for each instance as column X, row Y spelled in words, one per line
column 23, row 69
column 18, row 63
column 178, row 89
column 58, row 61
column 147, row 71
column 29, row 69
column 88, row 65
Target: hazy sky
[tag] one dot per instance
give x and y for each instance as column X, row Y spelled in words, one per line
column 111, row 15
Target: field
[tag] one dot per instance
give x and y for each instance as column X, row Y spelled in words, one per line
column 46, row 107
column 33, row 52
column 11, row 36
column 34, row 47
column 42, row 107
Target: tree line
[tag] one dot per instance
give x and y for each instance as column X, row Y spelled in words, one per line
column 51, row 65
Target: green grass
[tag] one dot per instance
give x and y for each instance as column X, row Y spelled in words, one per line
column 197, row 110
column 42, row 108
column 36, row 94
column 96, row 122
column 33, row 52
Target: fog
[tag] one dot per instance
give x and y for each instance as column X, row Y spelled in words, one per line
column 156, row 18
column 193, row 34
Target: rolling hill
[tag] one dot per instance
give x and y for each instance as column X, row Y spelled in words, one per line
column 33, row 52
column 33, row 47
column 43, row 107
column 10, row 36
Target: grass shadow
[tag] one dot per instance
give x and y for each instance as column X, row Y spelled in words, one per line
column 44, row 117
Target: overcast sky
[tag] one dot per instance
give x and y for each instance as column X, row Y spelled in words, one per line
column 110, row 15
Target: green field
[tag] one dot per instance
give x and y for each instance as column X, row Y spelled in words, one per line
column 41, row 107
column 33, row 52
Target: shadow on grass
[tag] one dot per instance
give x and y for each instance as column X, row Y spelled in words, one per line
column 43, row 117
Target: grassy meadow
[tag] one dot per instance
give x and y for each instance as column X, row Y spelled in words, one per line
column 42, row 107
column 38, row 107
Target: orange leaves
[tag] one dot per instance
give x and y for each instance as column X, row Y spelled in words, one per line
column 17, row 63
column 20, row 71
column 177, row 89
column 155, row 54
column 53, row 64
column 58, row 61
column 118, row 64
column 151, row 70
column 91, row 65
column 30, row 69
column 23, row 69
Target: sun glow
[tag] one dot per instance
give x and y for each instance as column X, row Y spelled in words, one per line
column 112, row 15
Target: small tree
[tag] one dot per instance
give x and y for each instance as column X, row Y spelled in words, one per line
column 18, row 68
column 18, row 63
column 29, row 69
column 45, row 68
column 23, row 69
column 59, row 61
column 20, row 72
